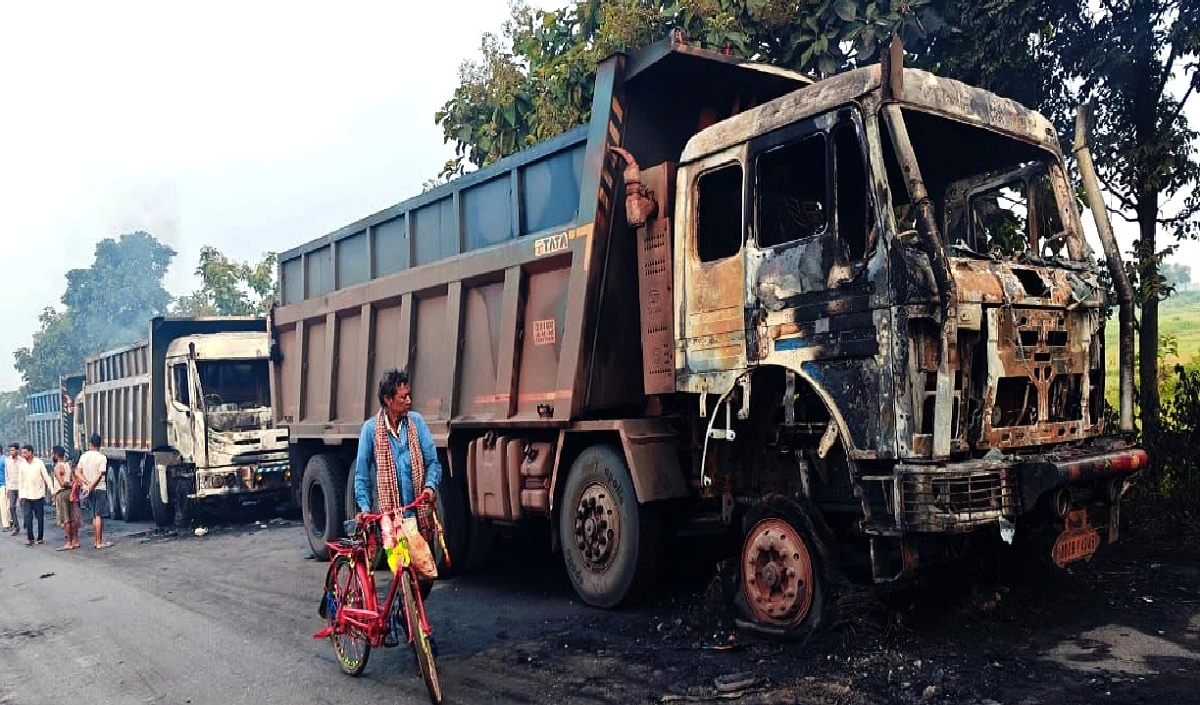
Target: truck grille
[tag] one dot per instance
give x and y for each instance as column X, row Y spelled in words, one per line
column 953, row 500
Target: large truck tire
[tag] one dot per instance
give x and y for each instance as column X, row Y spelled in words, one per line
column 456, row 517
column 379, row 559
column 115, row 510
column 609, row 542
column 163, row 512
column 129, row 488
column 323, row 502
column 787, row 574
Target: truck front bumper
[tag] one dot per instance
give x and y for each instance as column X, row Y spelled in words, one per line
column 264, row 477
column 962, row 496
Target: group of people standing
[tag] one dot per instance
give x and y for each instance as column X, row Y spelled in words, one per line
column 77, row 493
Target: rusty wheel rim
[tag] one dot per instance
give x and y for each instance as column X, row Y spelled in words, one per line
column 777, row 573
column 597, row 527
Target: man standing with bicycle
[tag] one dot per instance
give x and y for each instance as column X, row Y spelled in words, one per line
column 396, row 454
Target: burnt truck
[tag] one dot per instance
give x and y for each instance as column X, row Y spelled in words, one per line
column 184, row 418
column 854, row 321
column 50, row 418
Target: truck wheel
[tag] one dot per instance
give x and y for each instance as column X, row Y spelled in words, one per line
column 163, row 512
column 455, row 515
column 378, row 559
column 114, row 495
column 184, row 508
column 783, row 577
column 127, row 489
column 608, row 541
column 135, row 502
column 323, row 502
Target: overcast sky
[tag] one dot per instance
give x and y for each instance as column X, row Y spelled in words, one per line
column 251, row 127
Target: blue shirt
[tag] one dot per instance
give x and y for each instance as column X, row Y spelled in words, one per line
column 3, row 458
column 365, row 490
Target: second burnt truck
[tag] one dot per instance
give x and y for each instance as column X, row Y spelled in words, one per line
column 184, row 418
column 854, row 320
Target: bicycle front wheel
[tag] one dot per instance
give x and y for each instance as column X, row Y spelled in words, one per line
column 351, row 644
column 420, row 639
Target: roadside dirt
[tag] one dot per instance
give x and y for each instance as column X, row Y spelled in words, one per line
column 1123, row 628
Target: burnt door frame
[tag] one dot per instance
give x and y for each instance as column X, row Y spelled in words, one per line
column 711, row 298
column 814, row 303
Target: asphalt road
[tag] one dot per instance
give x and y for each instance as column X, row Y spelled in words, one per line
column 229, row 618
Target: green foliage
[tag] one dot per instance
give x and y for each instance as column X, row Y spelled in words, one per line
column 534, row 80
column 230, row 288
column 12, row 416
column 1128, row 53
column 1179, row 342
column 105, row 306
column 1177, row 276
column 1178, row 447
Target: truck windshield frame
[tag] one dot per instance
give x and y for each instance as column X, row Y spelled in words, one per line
column 994, row 195
column 235, row 385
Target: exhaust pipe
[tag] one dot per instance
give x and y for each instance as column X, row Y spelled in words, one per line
column 1112, row 254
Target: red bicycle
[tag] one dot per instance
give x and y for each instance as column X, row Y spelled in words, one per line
column 357, row 622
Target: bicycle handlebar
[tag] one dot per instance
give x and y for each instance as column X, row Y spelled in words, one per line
column 367, row 518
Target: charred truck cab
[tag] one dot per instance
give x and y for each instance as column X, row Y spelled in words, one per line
column 185, row 420
column 890, row 298
column 855, row 321
column 219, row 422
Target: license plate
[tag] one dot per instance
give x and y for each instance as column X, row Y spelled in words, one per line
column 1078, row 540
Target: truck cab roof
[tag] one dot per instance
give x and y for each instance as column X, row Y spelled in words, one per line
column 239, row 345
column 920, row 89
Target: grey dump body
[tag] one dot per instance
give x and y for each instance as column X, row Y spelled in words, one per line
column 50, row 417
column 750, row 286
column 162, row 430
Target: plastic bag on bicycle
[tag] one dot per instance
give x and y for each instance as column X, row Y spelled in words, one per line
column 419, row 552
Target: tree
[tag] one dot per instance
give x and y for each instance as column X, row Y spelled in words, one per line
column 1129, row 52
column 534, row 80
column 104, row 306
column 12, row 416
column 1177, row 276
column 230, row 288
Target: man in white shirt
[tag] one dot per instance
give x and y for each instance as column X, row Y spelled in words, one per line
column 12, row 480
column 93, row 491
column 5, row 514
column 35, row 482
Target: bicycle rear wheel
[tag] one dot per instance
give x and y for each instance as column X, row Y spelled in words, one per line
column 351, row 644
column 420, row 640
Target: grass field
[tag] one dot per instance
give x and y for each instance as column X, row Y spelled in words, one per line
column 1179, row 316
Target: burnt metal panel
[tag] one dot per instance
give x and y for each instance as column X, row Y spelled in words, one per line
column 853, row 386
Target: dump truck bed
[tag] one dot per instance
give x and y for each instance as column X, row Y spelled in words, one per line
column 502, row 292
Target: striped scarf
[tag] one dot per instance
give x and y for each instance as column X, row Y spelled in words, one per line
column 385, row 469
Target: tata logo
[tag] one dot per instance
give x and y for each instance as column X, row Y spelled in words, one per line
column 551, row 244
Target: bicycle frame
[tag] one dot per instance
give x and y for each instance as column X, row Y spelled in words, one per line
column 370, row 618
